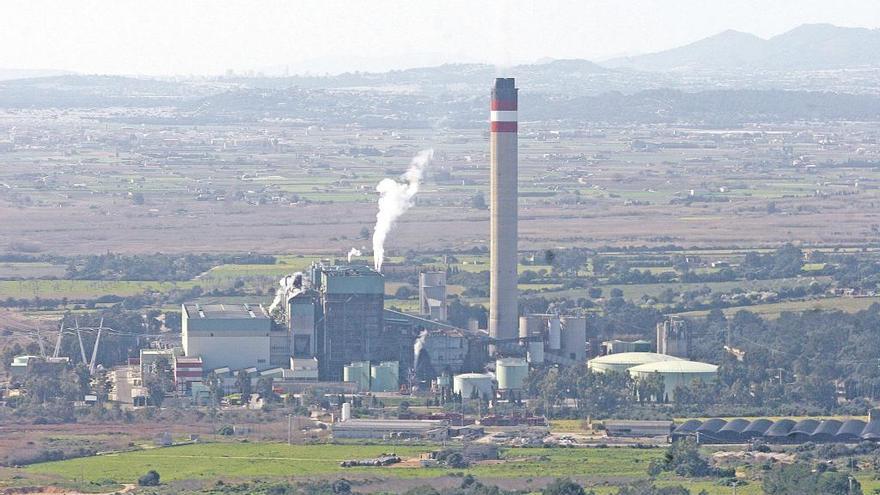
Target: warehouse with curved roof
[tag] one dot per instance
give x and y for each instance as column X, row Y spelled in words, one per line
column 826, row 431
column 756, row 428
column 850, row 431
column 732, row 432
column 783, row 431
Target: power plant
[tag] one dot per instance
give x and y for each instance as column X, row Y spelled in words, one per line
column 329, row 325
column 503, row 305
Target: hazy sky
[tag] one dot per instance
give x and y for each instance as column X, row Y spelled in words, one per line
column 163, row 37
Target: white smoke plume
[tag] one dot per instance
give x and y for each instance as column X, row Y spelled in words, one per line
column 288, row 285
column 395, row 197
column 354, row 252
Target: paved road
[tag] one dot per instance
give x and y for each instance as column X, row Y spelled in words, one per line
column 122, row 386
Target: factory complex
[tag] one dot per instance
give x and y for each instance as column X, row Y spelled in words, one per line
column 329, row 327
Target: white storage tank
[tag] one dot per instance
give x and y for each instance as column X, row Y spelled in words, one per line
column 536, row 352
column 359, row 373
column 675, row 373
column 346, row 411
column 511, row 373
column 574, row 337
column 554, row 337
column 623, row 361
column 384, row 377
column 474, row 384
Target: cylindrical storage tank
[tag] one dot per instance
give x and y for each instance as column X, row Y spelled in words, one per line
column 511, row 373
column 574, row 338
column 359, row 373
column 623, row 361
column 471, row 385
column 530, row 325
column 536, row 352
column 554, row 334
column 676, row 373
column 384, row 377
column 346, row 411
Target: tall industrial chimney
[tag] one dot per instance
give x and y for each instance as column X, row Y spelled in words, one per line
column 503, row 310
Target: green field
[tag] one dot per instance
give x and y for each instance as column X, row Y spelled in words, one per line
column 280, row 460
column 636, row 292
column 604, row 468
column 18, row 270
column 773, row 310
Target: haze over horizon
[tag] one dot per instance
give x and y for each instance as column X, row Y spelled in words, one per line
column 206, row 38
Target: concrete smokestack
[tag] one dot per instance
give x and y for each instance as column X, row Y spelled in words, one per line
column 503, row 310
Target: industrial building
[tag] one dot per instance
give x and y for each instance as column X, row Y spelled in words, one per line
column 334, row 319
column 618, row 346
column 351, row 301
column 22, row 365
column 640, row 429
column 382, row 429
column 187, row 370
column 552, row 338
column 674, row 337
column 149, row 357
column 782, row 431
column 432, row 295
column 232, row 335
column 503, row 216
column 339, row 319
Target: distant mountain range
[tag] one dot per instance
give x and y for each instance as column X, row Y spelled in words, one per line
column 805, row 48
column 10, row 74
column 729, row 60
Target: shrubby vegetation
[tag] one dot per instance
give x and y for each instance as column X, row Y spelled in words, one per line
column 160, row 267
column 801, row 479
column 683, row 458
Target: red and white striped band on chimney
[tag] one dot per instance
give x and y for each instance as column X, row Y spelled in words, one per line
column 503, row 118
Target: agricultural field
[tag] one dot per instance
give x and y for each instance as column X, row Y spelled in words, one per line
column 280, row 460
column 600, row 469
column 773, row 310
column 314, row 191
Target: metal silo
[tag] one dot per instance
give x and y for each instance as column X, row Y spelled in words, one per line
column 511, row 373
column 470, row 385
column 384, row 377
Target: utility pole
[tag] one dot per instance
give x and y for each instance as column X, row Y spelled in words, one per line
column 289, row 424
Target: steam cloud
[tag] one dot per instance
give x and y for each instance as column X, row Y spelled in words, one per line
column 354, row 252
column 395, row 198
column 288, row 285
